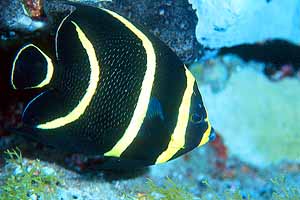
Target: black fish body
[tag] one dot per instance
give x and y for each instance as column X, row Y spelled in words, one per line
column 112, row 89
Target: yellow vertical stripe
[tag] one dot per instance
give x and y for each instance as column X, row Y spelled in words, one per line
column 144, row 97
column 205, row 137
column 94, row 79
column 178, row 136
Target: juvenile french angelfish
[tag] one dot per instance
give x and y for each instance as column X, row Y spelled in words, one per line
column 112, row 89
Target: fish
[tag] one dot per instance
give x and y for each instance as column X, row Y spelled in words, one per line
column 110, row 88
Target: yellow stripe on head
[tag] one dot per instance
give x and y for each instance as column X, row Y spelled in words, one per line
column 91, row 90
column 50, row 68
column 178, row 136
column 144, row 97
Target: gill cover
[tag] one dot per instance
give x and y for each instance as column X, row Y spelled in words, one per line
column 32, row 68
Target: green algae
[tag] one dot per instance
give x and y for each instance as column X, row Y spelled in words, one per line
column 284, row 190
column 171, row 190
column 26, row 180
column 211, row 193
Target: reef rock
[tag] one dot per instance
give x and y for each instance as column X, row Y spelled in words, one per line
column 259, row 119
column 231, row 22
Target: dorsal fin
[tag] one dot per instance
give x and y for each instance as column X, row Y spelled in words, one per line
column 32, row 68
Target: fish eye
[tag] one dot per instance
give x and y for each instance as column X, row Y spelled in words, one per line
column 196, row 118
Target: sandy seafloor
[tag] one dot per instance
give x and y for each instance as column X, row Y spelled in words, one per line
column 257, row 118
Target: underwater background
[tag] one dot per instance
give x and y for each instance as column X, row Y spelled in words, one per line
column 245, row 56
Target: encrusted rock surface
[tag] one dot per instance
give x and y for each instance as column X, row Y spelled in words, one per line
column 232, row 22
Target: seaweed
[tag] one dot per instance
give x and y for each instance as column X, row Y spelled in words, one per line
column 170, row 190
column 228, row 195
column 283, row 190
column 26, row 180
column 173, row 191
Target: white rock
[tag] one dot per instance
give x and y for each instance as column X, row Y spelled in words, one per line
column 258, row 119
column 232, row 22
